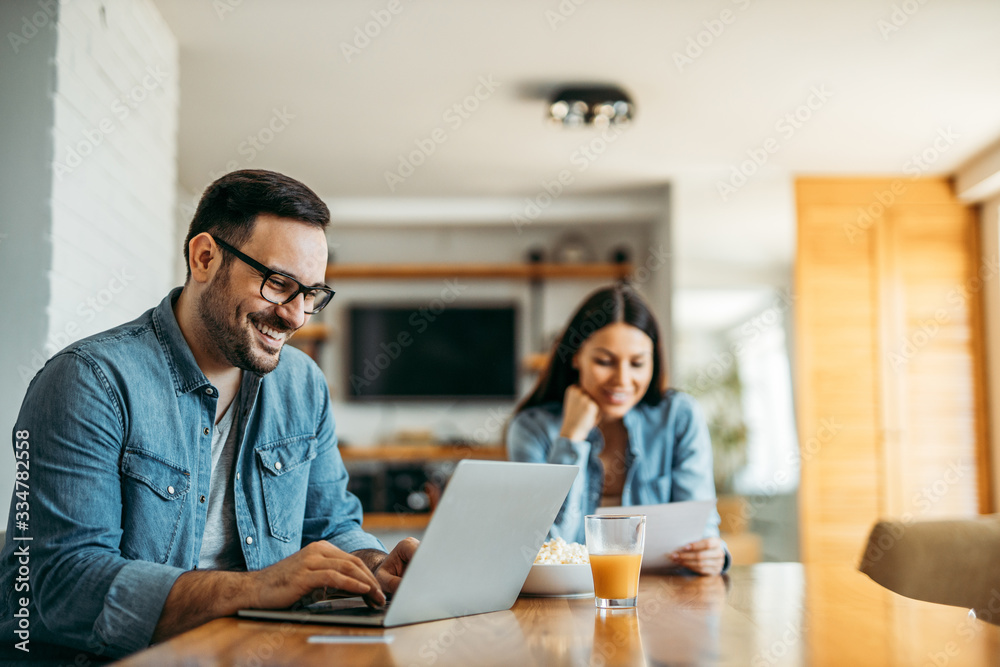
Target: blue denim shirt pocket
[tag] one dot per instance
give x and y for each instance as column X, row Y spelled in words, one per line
column 284, row 471
column 153, row 491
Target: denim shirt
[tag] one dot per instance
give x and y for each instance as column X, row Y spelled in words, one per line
column 669, row 459
column 119, row 431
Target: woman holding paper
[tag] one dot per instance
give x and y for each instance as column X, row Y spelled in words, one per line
column 601, row 404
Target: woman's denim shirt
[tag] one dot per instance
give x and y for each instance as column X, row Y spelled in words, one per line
column 119, row 438
column 669, row 458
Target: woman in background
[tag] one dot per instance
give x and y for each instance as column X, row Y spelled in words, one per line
column 601, row 404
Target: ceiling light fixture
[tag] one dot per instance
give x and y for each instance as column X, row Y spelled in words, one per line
column 600, row 106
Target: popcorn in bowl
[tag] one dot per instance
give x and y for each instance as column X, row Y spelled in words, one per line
column 558, row 551
column 571, row 579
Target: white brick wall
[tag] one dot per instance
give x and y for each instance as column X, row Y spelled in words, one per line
column 113, row 234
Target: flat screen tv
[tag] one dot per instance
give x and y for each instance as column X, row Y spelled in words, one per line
column 416, row 352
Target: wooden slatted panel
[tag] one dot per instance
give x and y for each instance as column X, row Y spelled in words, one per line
column 907, row 396
column 837, row 382
column 936, row 359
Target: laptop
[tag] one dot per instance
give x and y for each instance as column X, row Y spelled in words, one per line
column 476, row 552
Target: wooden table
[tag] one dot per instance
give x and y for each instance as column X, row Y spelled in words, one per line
column 769, row 614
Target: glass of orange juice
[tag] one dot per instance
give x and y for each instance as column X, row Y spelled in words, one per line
column 614, row 542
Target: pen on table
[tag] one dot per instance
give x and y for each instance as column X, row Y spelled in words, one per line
column 350, row 639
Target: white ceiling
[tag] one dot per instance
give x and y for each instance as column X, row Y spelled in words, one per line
column 890, row 96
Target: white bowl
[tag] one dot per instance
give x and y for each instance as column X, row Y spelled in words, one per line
column 559, row 580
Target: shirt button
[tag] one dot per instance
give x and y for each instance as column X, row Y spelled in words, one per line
column 203, row 499
column 237, row 475
column 209, row 391
column 207, row 430
column 249, row 540
column 170, row 490
column 277, row 465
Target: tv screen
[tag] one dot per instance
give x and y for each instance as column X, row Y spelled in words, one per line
column 412, row 352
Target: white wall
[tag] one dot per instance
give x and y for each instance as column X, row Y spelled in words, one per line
column 101, row 242
column 115, row 163
column 28, row 79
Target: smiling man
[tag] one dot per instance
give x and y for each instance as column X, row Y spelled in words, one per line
column 184, row 465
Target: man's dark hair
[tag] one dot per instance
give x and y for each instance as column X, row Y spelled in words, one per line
column 230, row 206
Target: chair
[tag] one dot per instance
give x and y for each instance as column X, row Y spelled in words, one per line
column 954, row 562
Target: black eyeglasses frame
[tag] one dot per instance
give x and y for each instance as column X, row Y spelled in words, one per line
column 267, row 272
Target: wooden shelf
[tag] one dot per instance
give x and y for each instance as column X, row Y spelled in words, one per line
column 405, row 452
column 428, row 452
column 395, row 521
column 311, row 332
column 535, row 363
column 504, row 271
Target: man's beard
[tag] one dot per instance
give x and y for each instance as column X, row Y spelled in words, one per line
column 233, row 340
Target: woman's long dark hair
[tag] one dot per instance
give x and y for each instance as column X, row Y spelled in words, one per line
column 619, row 303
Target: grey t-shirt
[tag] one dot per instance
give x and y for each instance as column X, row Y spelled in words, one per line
column 220, row 546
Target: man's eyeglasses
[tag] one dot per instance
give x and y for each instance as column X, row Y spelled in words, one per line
column 281, row 288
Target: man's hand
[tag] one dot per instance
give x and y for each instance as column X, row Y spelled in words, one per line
column 200, row 596
column 317, row 565
column 390, row 571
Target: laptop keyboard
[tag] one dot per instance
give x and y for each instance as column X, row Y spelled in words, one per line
column 361, row 612
column 346, row 607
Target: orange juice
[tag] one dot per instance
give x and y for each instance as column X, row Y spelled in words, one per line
column 616, row 576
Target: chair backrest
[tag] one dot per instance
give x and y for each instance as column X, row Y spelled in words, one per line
column 954, row 562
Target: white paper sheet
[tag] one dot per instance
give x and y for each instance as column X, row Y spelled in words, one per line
column 668, row 527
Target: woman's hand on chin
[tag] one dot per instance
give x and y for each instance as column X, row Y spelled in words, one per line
column 580, row 414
